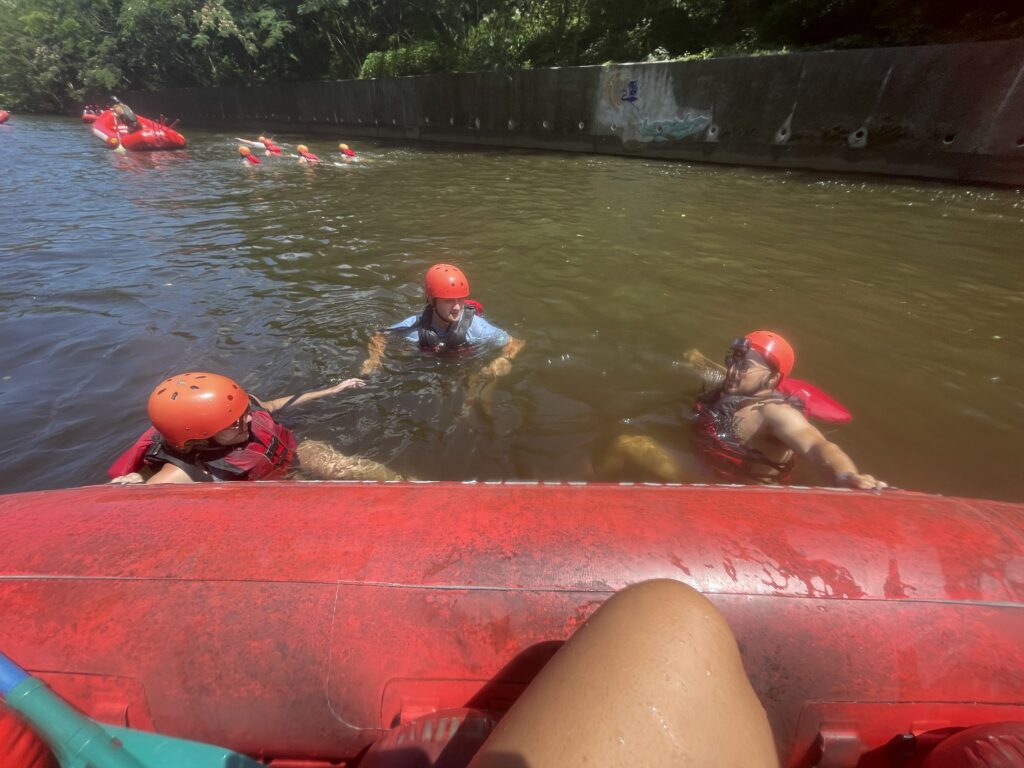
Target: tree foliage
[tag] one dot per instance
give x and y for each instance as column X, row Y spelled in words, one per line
column 56, row 53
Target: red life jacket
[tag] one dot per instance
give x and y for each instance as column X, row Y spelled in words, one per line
column 272, row 148
column 348, row 153
column 309, row 157
column 718, row 445
column 252, row 159
column 268, row 454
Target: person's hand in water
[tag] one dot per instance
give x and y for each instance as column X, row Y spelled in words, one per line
column 346, row 384
column 502, row 366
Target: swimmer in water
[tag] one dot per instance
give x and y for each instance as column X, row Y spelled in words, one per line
column 247, row 156
column 205, row 427
column 305, row 156
column 745, row 429
column 348, row 154
column 269, row 146
column 449, row 322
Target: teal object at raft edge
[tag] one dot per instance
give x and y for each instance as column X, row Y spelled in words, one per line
column 80, row 742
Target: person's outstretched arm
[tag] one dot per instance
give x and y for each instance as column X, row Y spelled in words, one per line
column 290, row 400
column 792, row 428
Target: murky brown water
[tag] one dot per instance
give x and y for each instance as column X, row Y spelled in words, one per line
column 904, row 300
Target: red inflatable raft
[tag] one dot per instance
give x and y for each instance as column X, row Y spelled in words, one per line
column 152, row 136
column 303, row 621
column 4, row 115
column 89, row 116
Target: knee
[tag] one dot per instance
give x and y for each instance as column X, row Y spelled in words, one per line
column 661, row 591
column 666, row 609
column 634, row 444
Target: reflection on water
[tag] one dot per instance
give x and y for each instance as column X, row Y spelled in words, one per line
column 905, row 300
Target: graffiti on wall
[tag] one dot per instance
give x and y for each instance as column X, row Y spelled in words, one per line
column 641, row 107
column 675, row 128
column 630, row 92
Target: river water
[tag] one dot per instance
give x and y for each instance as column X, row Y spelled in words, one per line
column 904, row 300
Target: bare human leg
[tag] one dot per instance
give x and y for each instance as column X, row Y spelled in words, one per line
column 320, row 461
column 646, row 454
column 653, row 678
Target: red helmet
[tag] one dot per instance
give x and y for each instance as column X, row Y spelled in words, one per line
column 194, row 406
column 773, row 348
column 446, row 282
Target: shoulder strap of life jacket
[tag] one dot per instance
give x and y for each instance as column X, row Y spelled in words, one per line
column 132, row 459
column 455, row 338
column 728, row 456
column 269, row 452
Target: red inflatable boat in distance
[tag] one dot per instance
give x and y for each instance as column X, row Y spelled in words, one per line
column 4, row 115
column 152, row 137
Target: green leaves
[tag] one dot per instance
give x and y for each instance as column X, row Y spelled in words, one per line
column 54, row 53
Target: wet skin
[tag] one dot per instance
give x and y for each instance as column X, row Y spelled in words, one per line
column 235, row 433
column 447, row 311
column 749, row 376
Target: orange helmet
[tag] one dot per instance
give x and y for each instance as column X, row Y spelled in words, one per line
column 262, row 139
column 773, row 348
column 244, row 150
column 194, row 406
column 446, row 282
column 343, row 147
column 302, row 148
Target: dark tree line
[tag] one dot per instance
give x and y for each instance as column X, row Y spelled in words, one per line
column 56, row 53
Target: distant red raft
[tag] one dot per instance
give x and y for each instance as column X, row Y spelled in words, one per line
column 151, row 137
column 89, row 116
column 4, row 114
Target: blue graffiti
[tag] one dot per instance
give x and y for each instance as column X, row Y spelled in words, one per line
column 629, row 93
column 674, row 129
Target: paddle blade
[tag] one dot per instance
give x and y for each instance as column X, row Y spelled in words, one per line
column 80, row 742
column 154, row 750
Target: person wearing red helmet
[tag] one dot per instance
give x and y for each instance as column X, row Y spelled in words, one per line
column 747, row 426
column 746, row 429
column 449, row 322
column 305, row 156
column 206, row 427
column 348, row 154
column 270, row 148
column 247, row 156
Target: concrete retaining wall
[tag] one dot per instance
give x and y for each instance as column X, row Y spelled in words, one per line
column 948, row 112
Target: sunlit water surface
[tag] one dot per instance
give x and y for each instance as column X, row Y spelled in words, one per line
column 904, row 300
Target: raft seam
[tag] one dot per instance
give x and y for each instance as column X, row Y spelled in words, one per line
column 488, row 588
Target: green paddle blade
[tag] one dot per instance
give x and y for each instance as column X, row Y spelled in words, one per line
column 80, row 742
column 154, row 750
